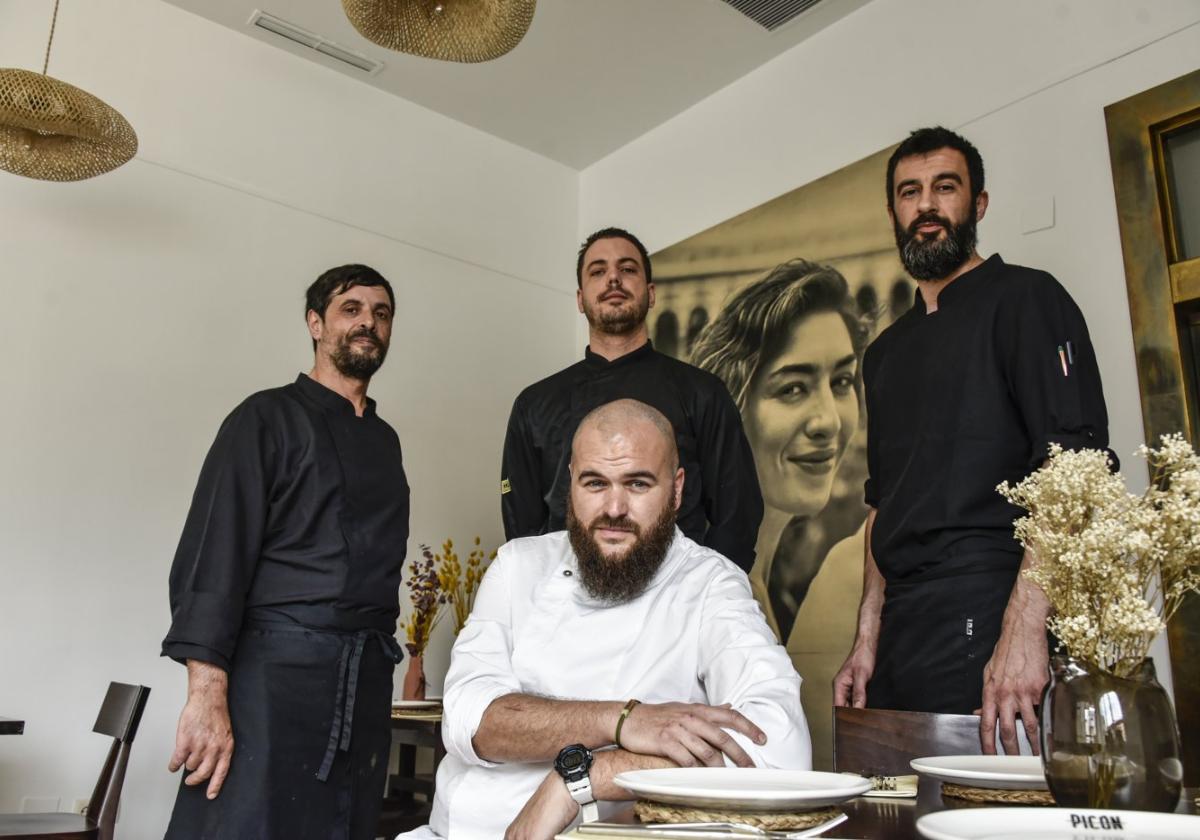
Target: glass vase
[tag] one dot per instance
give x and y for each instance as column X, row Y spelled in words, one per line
column 1109, row 742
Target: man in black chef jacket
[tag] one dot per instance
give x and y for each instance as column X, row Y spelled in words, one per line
column 722, row 506
column 969, row 388
column 284, row 593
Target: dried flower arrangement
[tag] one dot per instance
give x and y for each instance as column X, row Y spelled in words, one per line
column 437, row 581
column 428, row 600
column 1114, row 566
column 458, row 584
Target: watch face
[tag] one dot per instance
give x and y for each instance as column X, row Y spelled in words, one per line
column 573, row 762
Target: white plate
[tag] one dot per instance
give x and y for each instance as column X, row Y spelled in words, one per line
column 416, row 704
column 998, row 772
column 1056, row 824
column 743, row 788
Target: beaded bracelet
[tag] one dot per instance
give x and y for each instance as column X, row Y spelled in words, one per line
column 621, row 720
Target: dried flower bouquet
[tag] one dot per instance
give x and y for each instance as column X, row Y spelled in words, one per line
column 1114, row 566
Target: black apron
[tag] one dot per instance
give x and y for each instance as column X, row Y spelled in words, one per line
column 311, row 716
column 935, row 638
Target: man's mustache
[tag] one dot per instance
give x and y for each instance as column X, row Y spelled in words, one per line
column 927, row 218
column 619, row 523
column 364, row 332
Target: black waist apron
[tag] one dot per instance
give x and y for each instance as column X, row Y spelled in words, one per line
column 936, row 637
column 311, row 713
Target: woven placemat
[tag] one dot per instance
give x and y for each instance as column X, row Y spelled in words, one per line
column 658, row 812
column 1002, row 797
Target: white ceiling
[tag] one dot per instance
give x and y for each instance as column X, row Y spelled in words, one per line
column 590, row 76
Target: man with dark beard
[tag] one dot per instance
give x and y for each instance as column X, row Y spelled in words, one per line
column 969, row 388
column 571, row 630
column 284, row 593
column 721, row 506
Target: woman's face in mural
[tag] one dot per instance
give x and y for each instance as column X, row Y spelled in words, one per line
column 800, row 413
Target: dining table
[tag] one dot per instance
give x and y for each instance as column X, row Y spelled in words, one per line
column 885, row 818
column 8, row 726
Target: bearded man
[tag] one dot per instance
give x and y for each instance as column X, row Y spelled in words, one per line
column 284, row 593
column 619, row 631
column 721, row 506
column 969, row 388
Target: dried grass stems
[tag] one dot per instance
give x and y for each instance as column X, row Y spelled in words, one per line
column 1114, row 566
column 438, row 581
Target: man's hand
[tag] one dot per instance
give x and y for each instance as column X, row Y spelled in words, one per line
column 204, row 739
column 689, row 734
column 1012, row 685
column 547, row 812
column 1017, row 672
column 850, row 684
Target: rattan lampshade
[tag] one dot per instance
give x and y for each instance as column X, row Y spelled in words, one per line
column 54, row 131
column 467, row 31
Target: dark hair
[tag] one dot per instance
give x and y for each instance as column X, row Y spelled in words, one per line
column 926, row 140
column 755, row 324
column 611, row 233
column 335, row 281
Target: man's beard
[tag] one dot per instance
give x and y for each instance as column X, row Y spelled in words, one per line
column 935, row 258
column 620, row 579
column 358, row 364
column 618, row 321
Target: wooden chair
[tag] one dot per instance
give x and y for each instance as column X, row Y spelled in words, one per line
column 882, row 742
column 119, row 716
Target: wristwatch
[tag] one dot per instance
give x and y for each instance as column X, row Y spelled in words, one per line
column 573, row 764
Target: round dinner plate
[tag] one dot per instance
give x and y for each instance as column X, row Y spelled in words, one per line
column 1056, row 824
column 743, row 788
column 997, row 772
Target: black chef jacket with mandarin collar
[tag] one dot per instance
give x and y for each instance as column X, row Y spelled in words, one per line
column 300, row 514
column 964, row 398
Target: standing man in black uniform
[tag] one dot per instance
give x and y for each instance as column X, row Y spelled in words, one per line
column 722, row 507
column 285, row 593
column 969, row 388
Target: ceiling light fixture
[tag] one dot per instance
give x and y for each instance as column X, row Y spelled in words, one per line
column 54, row 131
column 466, row 31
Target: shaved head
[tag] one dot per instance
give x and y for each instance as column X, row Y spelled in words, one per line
column 621, row 418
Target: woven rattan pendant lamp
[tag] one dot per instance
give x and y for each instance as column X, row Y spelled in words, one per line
column 467, row 31
column 54, row 131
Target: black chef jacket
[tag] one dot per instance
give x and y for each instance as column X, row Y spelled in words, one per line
column 722, row 507
column 967, row 397
column 300, row 514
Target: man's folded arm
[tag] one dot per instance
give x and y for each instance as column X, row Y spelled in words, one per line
column 522, row 727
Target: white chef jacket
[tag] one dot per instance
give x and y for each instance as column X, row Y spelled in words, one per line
column 695, row 635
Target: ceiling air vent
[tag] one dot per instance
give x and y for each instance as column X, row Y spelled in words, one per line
column 298, row 35
column 772, row 14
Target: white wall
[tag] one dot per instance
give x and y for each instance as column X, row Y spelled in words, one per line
column 1025, row 80
column 140, row 307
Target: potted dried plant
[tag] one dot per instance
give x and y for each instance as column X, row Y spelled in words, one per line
column 1115, row 567
column 429, row 602
column 435, row 582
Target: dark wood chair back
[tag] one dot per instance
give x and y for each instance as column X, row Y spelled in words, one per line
column 120, row 714
column 883, row 742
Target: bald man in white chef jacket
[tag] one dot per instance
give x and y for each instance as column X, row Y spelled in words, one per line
column 618, row 633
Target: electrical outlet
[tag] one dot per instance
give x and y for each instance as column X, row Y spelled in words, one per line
column 39, row 804
column 80, row 807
